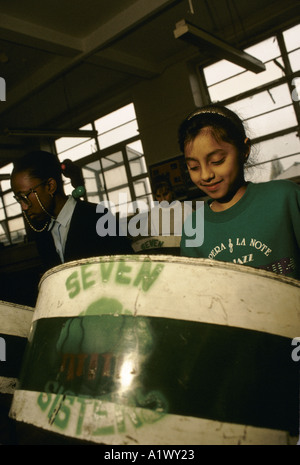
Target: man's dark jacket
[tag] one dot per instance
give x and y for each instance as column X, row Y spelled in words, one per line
column 82, row 240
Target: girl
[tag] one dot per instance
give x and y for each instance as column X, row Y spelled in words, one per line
column 244, row 223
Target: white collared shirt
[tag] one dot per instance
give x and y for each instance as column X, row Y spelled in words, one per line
column 59, row 227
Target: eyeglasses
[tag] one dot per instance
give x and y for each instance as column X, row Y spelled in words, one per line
column 24, row 197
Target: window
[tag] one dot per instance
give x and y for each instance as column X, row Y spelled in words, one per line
column 113, row 164
column 268, row 102
column 12, row 228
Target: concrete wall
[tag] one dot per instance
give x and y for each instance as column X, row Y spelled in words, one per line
column 161, row 104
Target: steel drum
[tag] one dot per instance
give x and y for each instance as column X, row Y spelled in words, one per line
column 160, row 350
column 157, row 245
column 15, row 321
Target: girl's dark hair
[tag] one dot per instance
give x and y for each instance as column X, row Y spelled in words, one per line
column 225, row 125
column 40, row 164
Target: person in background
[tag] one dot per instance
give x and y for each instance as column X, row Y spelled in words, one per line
column 254, row 224
column 163, row 194
column 64, row 228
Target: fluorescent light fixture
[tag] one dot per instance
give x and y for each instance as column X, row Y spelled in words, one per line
column 194, row 35
column 50, row 133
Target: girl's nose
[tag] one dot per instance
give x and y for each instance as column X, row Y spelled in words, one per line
column 207, row 174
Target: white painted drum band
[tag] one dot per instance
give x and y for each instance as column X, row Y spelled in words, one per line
column 155, row 347
column 175, row 287
column 109, row 424
column 15, row 322
column 15, row 319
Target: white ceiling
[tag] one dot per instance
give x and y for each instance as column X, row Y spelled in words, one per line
column 58, row 56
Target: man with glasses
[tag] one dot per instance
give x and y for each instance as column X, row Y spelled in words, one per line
column 64, row 228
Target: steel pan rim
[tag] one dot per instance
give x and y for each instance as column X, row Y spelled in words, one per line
column 204, row 262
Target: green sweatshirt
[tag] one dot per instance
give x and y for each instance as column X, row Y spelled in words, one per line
column 261, row 230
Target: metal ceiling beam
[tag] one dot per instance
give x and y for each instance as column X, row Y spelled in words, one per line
column 39, row 37
column 196, row 36
column 125, row 63
column 104, row 36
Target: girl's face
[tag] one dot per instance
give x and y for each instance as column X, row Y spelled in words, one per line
column 215, row 166
column 21, row 184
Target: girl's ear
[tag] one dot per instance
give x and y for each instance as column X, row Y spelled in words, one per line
column 52, row 186
column 247, row 143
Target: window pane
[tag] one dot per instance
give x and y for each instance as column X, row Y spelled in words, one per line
column 134, row 148
column 12, row 207
column 66, row 143
column 138, row 167
column 148, row 201
column 5, row 171
column 142, row 187
column 272, row 122
column 285, row 149
column 117, row 126
column 265, row 50
column 118, row 135
column 275, row 169
column 112, row 160
column 93, row 198
column 262, row 102
column 120, row 197
column 5, row 185
column 116, row 118
column 16, row 224
column 244, row 82
column 115, row 177
column 220, row 71
column 68, row 188
column 78, row 151
column 94, row 182
column 294, row 58
column 135, row 154
column 292, row 38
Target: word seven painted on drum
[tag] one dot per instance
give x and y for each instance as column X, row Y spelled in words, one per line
column 121, row 273
column 2, row 350
column 296, row 91
column 137, row 225
column 2, row 90
column 296, row 351
column 152, row 243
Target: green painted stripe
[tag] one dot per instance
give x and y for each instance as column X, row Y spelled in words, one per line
column 185, row 368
